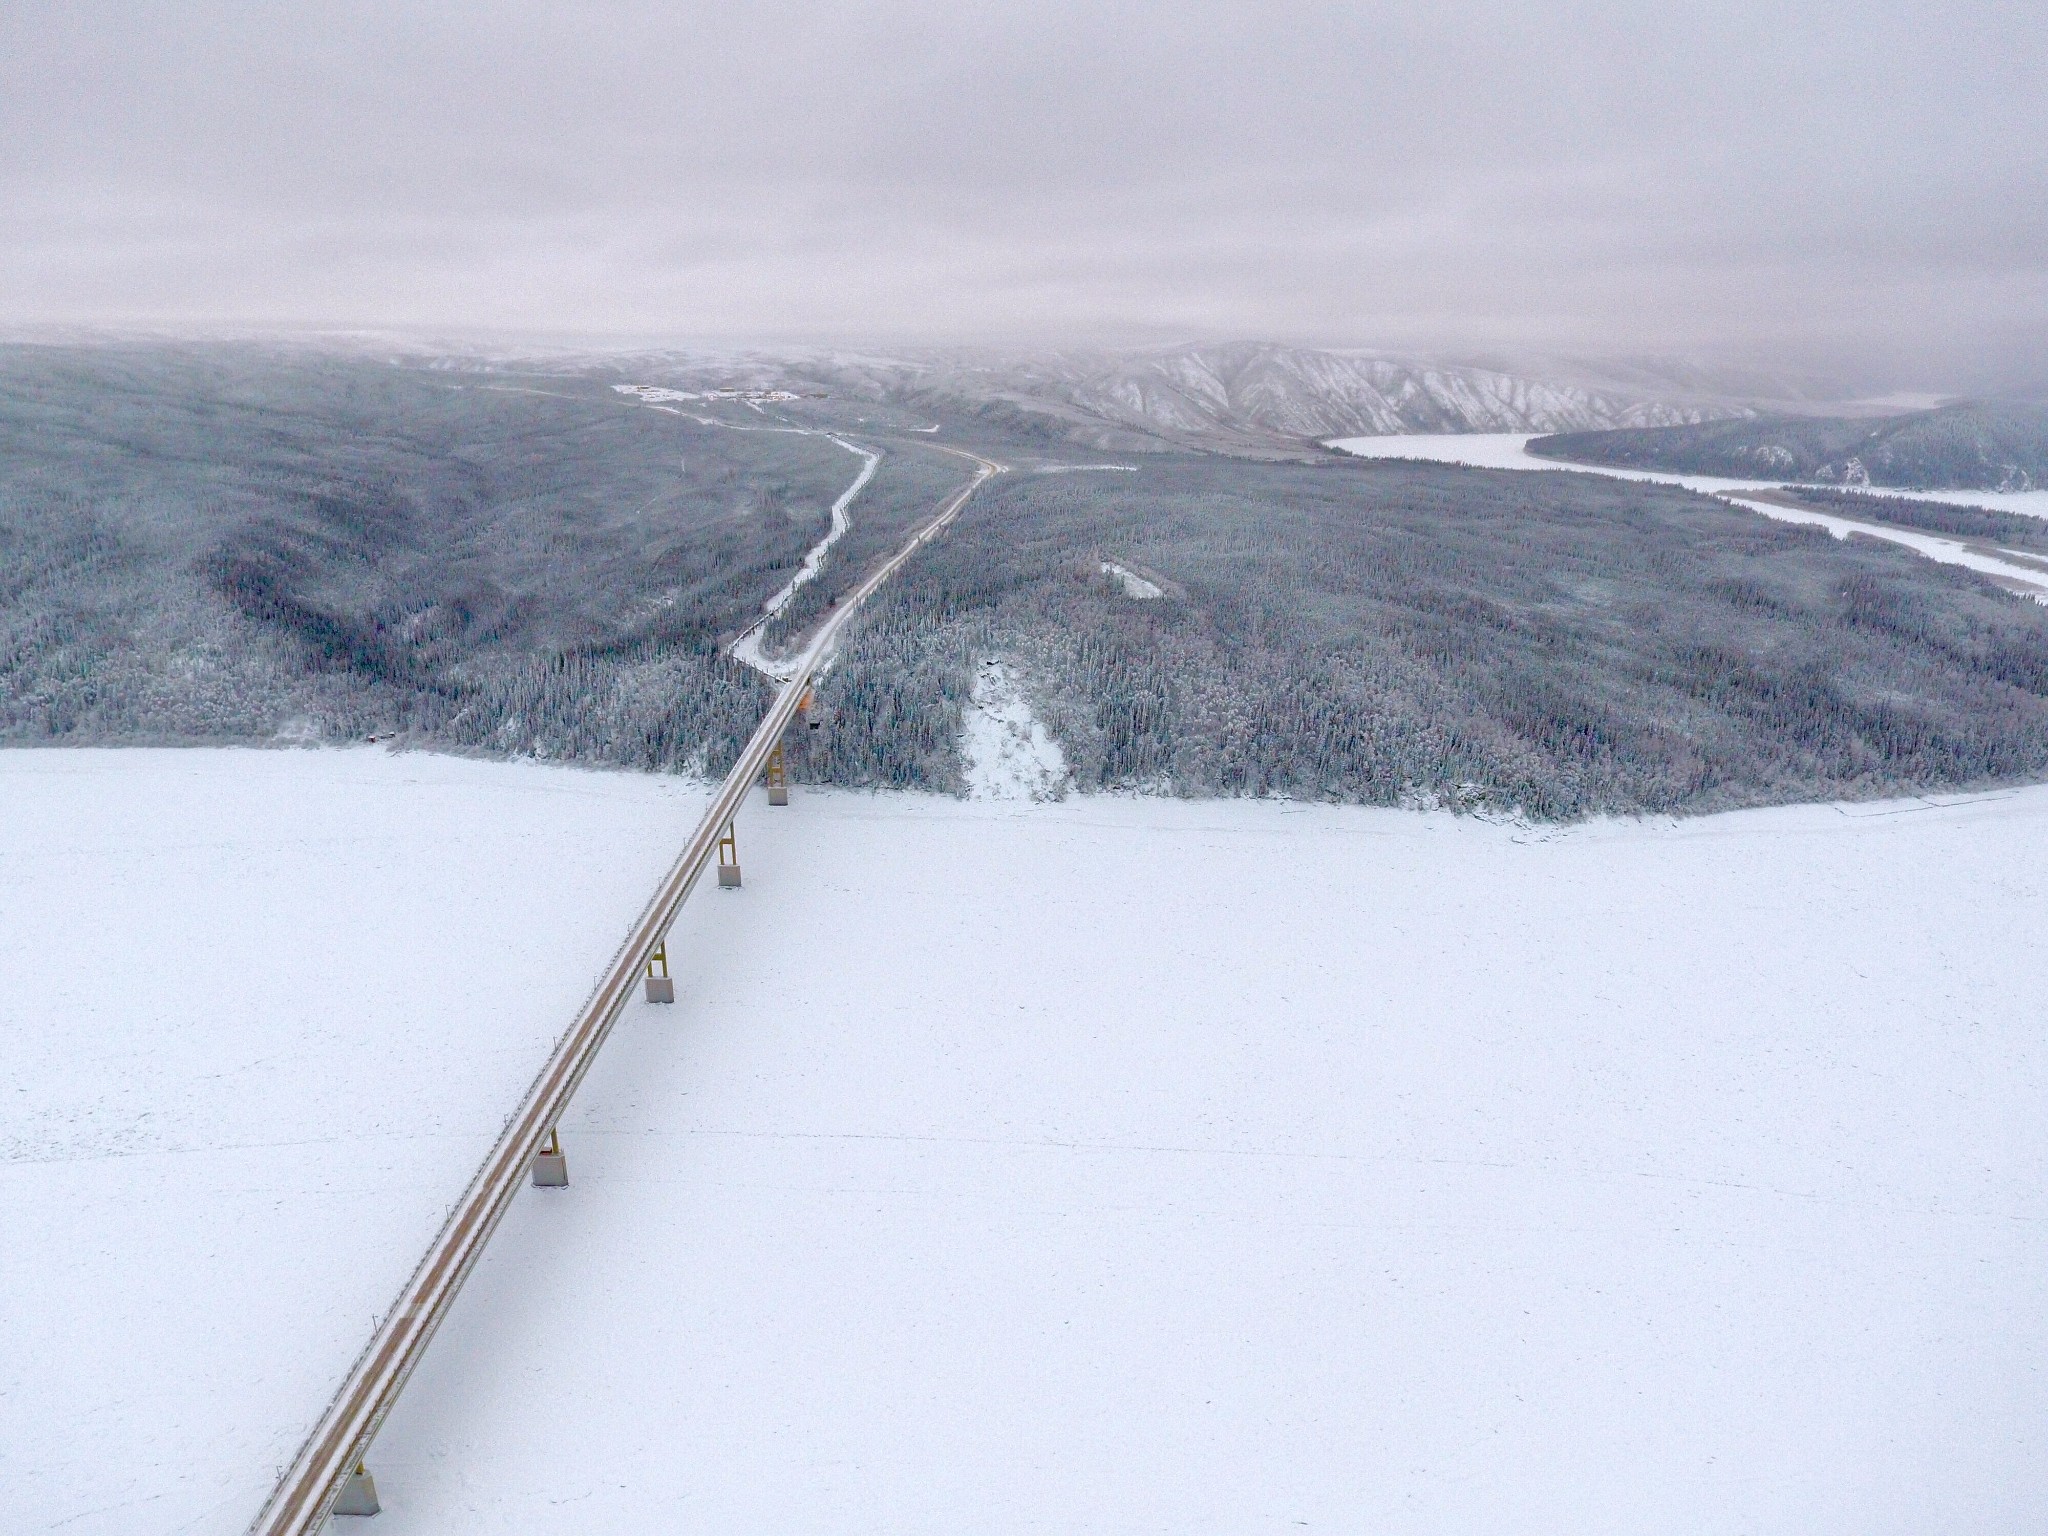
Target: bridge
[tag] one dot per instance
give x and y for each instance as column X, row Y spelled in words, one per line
column 328, row 1474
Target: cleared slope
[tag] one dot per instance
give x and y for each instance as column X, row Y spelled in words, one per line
column 1137, row 1166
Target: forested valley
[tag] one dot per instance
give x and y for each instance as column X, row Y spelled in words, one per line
column 252, row 545
column 1399, row 633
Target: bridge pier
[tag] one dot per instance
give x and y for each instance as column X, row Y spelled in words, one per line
column 728, row 859
column 551, row 1164
column 661, row 987
column 358, row 1493
column 777, row 777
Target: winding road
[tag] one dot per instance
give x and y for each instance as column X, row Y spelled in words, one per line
column 747, row 648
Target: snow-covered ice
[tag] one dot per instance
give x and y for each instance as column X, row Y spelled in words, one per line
column 1114, row 1165
column 261, row 1016
column 2017, row 569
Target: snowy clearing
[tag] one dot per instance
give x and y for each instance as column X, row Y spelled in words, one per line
column 1008, row 752
column 1509, row 450
column 1117, row 1165
column 1133, row 584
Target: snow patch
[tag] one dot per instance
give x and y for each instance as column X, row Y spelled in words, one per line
column 653, row 394
column 1009, row 754
column 1133, row 584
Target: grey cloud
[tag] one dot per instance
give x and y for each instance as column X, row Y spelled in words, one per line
column 1862, row 181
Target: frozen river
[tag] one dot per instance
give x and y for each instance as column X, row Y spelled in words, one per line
column 1113, row 1165
column 2015, row 570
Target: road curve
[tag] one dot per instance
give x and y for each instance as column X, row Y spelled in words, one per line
column 306, row 1492
column 747, row 649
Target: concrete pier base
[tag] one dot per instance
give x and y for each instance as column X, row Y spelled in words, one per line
column 729, row 876
column 358, row 1494
column 661, row 989
column 778, row 794
column 551, row 1165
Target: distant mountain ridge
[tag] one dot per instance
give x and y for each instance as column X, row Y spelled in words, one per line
column 1307, row 395
column 1243, row 396
column 1973, row 446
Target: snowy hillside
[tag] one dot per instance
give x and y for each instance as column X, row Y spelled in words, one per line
column 1111, row 1165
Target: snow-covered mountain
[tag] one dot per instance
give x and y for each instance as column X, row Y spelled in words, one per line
column 1263, row 390
column 1262, row 396
column 1246, row 395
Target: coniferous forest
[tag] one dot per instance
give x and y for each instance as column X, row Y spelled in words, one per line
column 222, row 544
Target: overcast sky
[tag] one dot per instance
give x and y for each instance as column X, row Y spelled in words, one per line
column 1862, row 181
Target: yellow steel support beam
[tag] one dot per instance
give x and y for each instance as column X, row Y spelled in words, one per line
column 661, row 987
column 728, row 859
